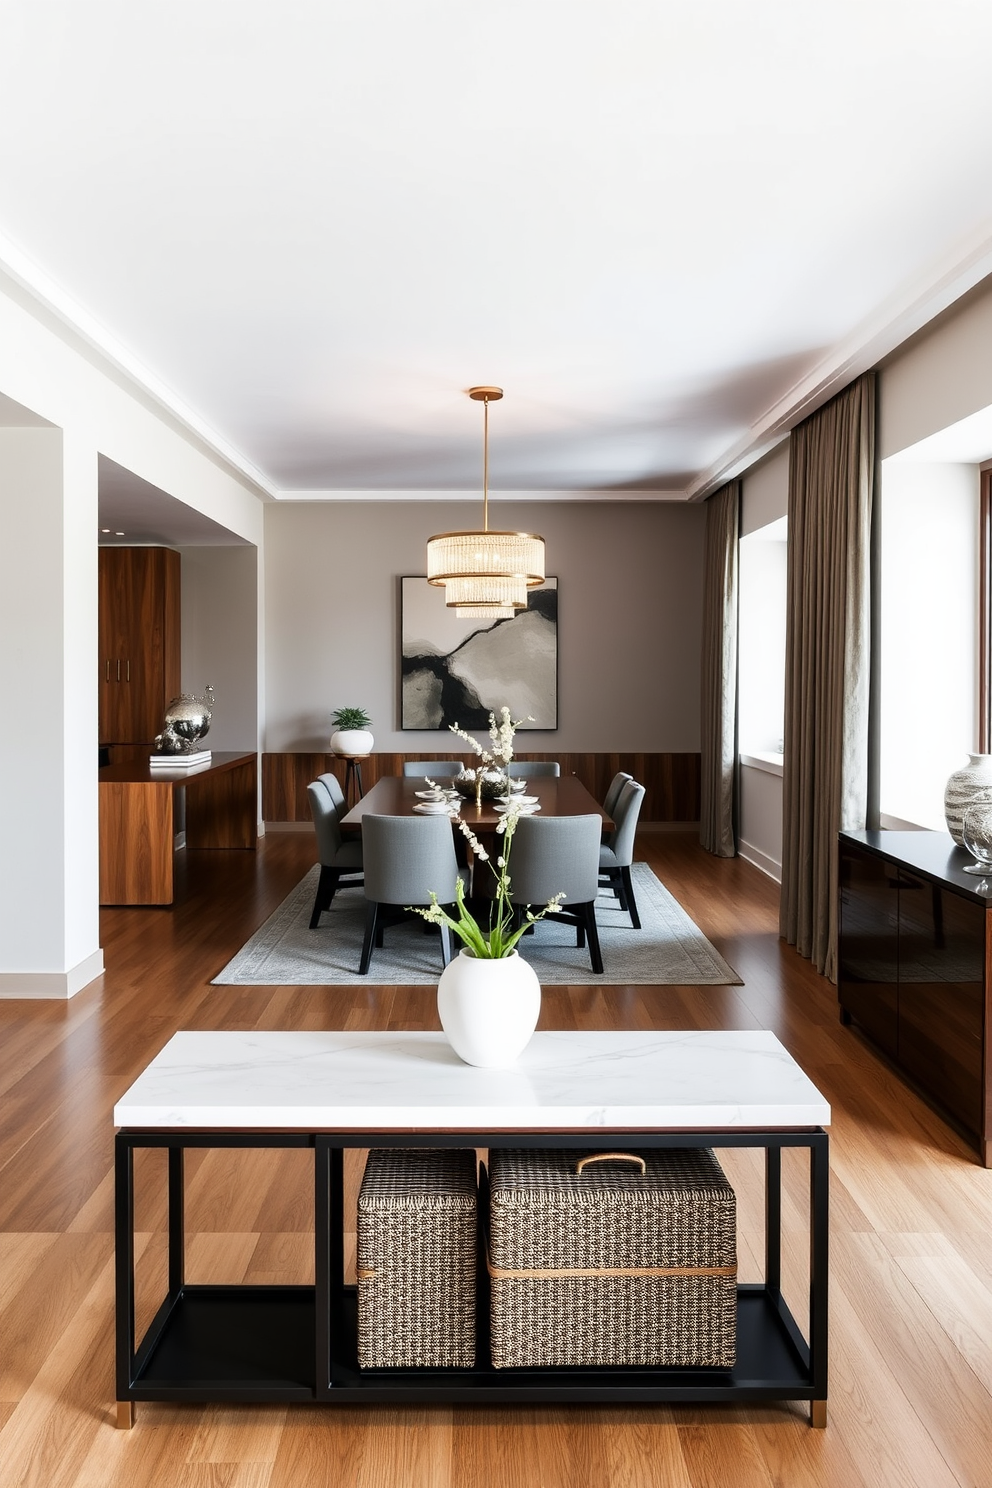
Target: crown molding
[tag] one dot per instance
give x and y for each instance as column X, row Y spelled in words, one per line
column 69, row 313
column 601, row 495
column 897, row 318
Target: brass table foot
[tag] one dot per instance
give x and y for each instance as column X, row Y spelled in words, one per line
column 818, row 1414
column 125, row 1415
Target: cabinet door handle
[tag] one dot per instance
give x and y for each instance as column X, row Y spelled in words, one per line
column 118, row 669
column 108, row 668
column 128, row 677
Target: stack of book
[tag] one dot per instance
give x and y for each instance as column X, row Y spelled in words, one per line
column 179, row 761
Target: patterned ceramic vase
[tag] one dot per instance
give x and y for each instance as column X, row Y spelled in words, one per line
column 971, row 783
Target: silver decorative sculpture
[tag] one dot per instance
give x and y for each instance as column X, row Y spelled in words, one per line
column 187, row 721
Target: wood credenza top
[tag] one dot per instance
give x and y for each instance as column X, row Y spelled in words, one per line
column 137, row 772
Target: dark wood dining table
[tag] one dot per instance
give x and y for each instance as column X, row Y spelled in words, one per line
column 559, row 795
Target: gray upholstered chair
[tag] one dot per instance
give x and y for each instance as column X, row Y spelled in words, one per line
column 334, row 790
column 616, row 856
column 613, row 793
column 406, row 858
column 559, row 855
column 340, row 861
column 534, row 767
column 436, row 769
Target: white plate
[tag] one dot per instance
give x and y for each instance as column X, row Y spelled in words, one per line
column 520, row 810
column 518, row 800
column 434, row 808
column 431, row 795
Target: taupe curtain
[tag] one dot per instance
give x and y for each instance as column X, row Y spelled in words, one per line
column 718, row 722
column 831, row 480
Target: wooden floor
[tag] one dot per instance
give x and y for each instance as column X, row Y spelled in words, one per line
column 911, row 1274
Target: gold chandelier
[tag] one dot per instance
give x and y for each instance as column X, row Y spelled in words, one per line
column 485, row 575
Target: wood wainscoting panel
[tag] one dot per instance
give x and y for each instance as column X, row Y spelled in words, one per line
column 671, row 781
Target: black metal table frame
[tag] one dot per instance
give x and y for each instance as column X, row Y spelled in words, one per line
column 298, row 1343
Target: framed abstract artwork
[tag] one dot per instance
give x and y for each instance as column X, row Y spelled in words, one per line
column 458, row 671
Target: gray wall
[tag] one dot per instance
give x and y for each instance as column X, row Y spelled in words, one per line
column 630, row 595
column 220, row 639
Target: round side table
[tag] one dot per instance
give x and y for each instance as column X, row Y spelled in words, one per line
column 352, row 776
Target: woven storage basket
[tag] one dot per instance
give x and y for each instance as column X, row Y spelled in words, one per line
column 417, row 1231
column 609, row 1266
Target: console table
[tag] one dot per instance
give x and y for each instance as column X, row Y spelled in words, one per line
column 915, row 967
column 137, row 821
column 330, row 1091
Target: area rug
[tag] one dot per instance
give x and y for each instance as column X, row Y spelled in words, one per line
column 668, row 951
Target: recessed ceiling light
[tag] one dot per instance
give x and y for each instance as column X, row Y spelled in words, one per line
column 105, row 529
column 118, row 534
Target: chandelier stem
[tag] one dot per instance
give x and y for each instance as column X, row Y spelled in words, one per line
column 485, row 464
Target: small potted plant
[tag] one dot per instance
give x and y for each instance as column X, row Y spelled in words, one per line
column 351, row 732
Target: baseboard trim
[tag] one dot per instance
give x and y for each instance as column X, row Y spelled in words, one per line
column 758, row 859
column 50, row 985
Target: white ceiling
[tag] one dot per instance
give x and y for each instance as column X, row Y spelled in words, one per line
column 663, row 227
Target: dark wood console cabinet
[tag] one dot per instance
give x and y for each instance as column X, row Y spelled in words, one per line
column 139, row 620
column 915, row 967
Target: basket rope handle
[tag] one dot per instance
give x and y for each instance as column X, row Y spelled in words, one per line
column 594, row 1157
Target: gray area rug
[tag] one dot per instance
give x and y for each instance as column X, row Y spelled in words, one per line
column 668, row 951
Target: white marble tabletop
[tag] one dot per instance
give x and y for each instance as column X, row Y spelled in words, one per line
column 415, row 1081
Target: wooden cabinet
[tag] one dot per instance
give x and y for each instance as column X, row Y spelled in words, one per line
column 139, row 641
column 914, row 960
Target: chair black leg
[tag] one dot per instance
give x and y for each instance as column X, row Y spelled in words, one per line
column 326, row 884
column 609, row 878
column 628, row 889
column 588, row 913
column 371, row 916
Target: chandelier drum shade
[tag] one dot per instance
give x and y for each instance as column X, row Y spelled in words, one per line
column 485, row 575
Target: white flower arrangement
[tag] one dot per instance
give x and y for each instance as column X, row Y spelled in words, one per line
column 494, row 762
column 500, row 737
column 500, row 939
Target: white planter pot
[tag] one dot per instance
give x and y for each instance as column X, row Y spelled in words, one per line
column 488, row 1009
column 352, row 741
column 971, row 783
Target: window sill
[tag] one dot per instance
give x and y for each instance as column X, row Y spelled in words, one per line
column 763, row 760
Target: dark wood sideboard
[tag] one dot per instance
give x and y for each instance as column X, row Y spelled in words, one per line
column 138, row 822
column 915, row 968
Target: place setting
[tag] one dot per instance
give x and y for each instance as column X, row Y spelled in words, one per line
column 437, row 801
column 518, row 802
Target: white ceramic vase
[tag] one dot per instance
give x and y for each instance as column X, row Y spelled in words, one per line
column 352, row 741
column 488, row 1008
column 973, row 782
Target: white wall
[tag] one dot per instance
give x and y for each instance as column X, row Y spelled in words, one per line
column 48, row 622
column 630, row 595
column 219, row 639
column 761, row 819
column 49, row 870
column 942, row 375
column 929, row 634
column 765, row 491
column 54, row 373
